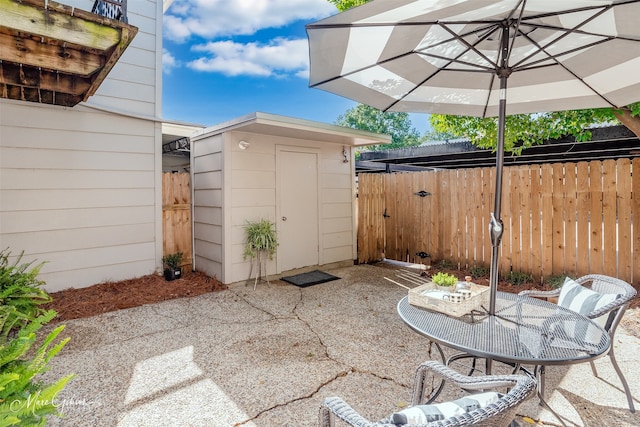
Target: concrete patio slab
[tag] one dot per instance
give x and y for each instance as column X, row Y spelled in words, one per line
column 268, row 357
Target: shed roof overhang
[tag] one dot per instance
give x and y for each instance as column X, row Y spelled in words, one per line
column 276, row 125
column 56, row 54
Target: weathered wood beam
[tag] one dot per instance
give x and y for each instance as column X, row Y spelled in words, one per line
column 13, row 74
column 126, row 38
column 55, row 24
column 36, row 95
column 66, row 60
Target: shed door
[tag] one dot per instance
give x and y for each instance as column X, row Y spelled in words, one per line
column 297, row 213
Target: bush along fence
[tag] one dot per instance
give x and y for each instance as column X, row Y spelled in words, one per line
column 560, row 219
column 24, row 399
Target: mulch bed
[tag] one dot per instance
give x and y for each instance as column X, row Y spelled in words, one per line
column 112, row 296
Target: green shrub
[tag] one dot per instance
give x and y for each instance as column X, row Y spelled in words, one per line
column 24, row 400
column 172, row 261
column 21, row 289
column 445, row 264
column 517, row 278
column 555, row 282
column 479, row 271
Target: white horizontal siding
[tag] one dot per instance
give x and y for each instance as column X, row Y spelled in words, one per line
column 63, row 240
column 34, row 221
column 208, row 215
column 27, row 158
column 28, row 179
column 84, row 277
column 78, row 190
column 61, row 139
column 208, row 180
column 31, row 200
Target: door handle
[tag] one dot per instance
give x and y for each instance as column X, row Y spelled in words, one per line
column 284, row 218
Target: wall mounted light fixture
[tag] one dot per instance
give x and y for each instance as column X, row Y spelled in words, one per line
column 243, row 145
column 345, row 153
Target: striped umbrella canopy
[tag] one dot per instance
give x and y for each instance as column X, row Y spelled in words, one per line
column 458, row 57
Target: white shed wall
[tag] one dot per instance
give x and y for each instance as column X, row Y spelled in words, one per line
column 208, row 180
column 80, row 188
column 232, row 186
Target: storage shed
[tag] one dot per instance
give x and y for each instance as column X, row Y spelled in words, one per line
column 296, row 173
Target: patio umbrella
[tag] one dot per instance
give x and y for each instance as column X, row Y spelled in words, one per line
column 457, row 56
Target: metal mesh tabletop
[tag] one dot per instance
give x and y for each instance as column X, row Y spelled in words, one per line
column 523, row 330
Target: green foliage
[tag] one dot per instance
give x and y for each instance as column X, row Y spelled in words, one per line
column 367, row 118
column 20, row 291
column 445, row 264
column 444, row 279
column 172, row 261
column 431, row 136
column 343, row 5
column 261, row 237
column 518, row 278
column 23, row 400
column 526, row 130
column 479, row 271
column 555, row 282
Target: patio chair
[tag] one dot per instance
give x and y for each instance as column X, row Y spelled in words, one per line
column 598, row 297
column 483, row 409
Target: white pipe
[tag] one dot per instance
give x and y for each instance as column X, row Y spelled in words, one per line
column 404, row 264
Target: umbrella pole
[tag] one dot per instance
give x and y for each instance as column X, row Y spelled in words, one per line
column 496, row 226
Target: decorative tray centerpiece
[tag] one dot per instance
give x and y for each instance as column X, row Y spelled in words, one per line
column 454, row 299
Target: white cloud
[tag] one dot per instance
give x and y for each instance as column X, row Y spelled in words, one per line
column 214, row 18
column 279, row 57
column 169, row 62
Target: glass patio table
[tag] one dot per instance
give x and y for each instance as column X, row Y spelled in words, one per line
column 523, row 331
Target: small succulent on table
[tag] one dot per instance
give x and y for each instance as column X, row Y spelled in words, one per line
column 444, row 279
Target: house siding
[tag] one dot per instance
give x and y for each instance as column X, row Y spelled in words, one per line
column 79, row 187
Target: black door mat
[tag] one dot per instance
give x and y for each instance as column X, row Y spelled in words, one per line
column 310, row 278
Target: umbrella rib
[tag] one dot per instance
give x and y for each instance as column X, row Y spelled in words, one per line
column 451, row 60
column 532, row 65
column 565, row 34
column 522, row 6
column 470, row 46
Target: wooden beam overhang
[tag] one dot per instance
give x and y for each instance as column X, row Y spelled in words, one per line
column 56, row 54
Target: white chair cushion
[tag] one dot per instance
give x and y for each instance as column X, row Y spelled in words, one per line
column 422, row 414
column 578, row 298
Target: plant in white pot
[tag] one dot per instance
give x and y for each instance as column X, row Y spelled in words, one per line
column 261, row 242
column 444, row 281
column 172, row 263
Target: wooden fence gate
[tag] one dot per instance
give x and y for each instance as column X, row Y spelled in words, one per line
column 176, row 215
column 564, row 218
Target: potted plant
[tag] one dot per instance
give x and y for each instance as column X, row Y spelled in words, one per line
column 262, row 240
column 172, row 269
column 444, row 280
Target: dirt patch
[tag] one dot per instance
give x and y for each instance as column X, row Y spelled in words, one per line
column 112, row 296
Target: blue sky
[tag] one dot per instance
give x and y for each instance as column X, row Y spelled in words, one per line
column 223, row 59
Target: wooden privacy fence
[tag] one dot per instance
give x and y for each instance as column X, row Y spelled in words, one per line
column 564, row 218
column 176, row 215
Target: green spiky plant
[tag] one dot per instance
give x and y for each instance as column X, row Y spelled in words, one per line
column 20, row 288
column 261, row 238
column 24, row 400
